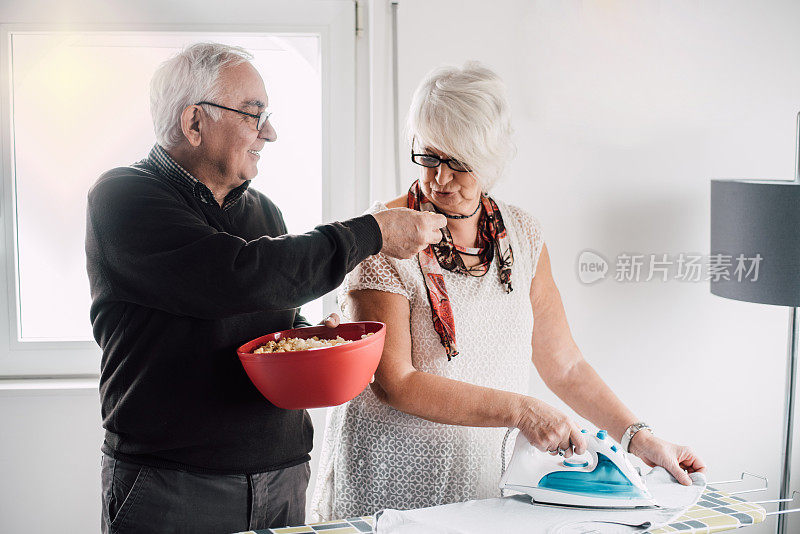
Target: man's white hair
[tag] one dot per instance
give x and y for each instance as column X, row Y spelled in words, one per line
column 185, row 79
column 464, row 113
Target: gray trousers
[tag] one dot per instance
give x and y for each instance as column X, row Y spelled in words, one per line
column 144, row 499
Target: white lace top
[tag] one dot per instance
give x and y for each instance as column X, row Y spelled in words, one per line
column 376, row 457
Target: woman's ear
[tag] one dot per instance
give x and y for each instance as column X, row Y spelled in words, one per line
column 191, row 120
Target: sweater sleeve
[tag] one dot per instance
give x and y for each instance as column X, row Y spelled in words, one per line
column 155, row 251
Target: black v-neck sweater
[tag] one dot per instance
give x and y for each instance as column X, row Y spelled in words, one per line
column 177, row 285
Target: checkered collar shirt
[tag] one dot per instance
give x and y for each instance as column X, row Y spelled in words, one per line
column 170, row 169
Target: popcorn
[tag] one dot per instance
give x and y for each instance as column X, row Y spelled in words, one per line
column 295, row 344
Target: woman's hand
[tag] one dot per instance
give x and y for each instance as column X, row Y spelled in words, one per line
column 548, row 429
column 676, row 459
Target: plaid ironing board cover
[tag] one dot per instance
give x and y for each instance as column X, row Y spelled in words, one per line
column 716, row 511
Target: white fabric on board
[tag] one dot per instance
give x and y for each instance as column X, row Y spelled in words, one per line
column 516, row 514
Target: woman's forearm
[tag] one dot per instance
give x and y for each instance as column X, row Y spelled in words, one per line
column 586, row 393
column 452, row 402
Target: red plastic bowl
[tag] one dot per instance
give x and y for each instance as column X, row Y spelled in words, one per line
column 314, row 378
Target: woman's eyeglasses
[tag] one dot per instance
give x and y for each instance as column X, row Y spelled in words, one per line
column 262, row 117
column 431, row 161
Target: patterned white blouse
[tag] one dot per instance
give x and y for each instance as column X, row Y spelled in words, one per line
column 376, row 457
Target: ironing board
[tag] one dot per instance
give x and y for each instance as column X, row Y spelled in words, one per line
column 716, row 511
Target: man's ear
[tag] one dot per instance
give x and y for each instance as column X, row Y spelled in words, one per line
column 190, row 124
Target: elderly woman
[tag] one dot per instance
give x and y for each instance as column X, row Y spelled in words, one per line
column 464, row 318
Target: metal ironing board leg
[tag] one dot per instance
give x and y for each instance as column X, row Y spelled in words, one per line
column 788, row 426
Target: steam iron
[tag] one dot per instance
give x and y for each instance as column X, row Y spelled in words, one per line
column 603, row 477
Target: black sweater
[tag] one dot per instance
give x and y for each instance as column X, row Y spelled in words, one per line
column 177, row 285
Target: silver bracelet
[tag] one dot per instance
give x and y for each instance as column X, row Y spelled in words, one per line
column 631, row 431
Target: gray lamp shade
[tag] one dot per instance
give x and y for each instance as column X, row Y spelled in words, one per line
column 751, row 218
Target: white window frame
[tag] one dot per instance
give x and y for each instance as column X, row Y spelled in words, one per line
column 345, row 191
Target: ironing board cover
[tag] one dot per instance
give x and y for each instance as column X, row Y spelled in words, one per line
column 716, row 511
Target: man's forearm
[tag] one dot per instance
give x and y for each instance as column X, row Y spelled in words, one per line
column 152, row 249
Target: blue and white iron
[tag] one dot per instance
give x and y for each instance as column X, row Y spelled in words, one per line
column 603, row 477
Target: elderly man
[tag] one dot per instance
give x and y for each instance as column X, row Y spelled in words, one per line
column 185, row 263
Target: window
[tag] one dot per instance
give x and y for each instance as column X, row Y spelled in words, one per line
column 79, row 105
column 78, row 114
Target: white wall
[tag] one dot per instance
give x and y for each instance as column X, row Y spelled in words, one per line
column 50, row 457
column 624, row 110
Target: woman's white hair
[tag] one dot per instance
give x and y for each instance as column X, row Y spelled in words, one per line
column 185, row 79
column 464, row 113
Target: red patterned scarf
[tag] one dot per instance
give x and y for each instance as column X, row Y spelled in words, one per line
column 492, row 237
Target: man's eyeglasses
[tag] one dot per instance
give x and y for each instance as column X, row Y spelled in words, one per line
column 431, row 161
column 262, row 117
